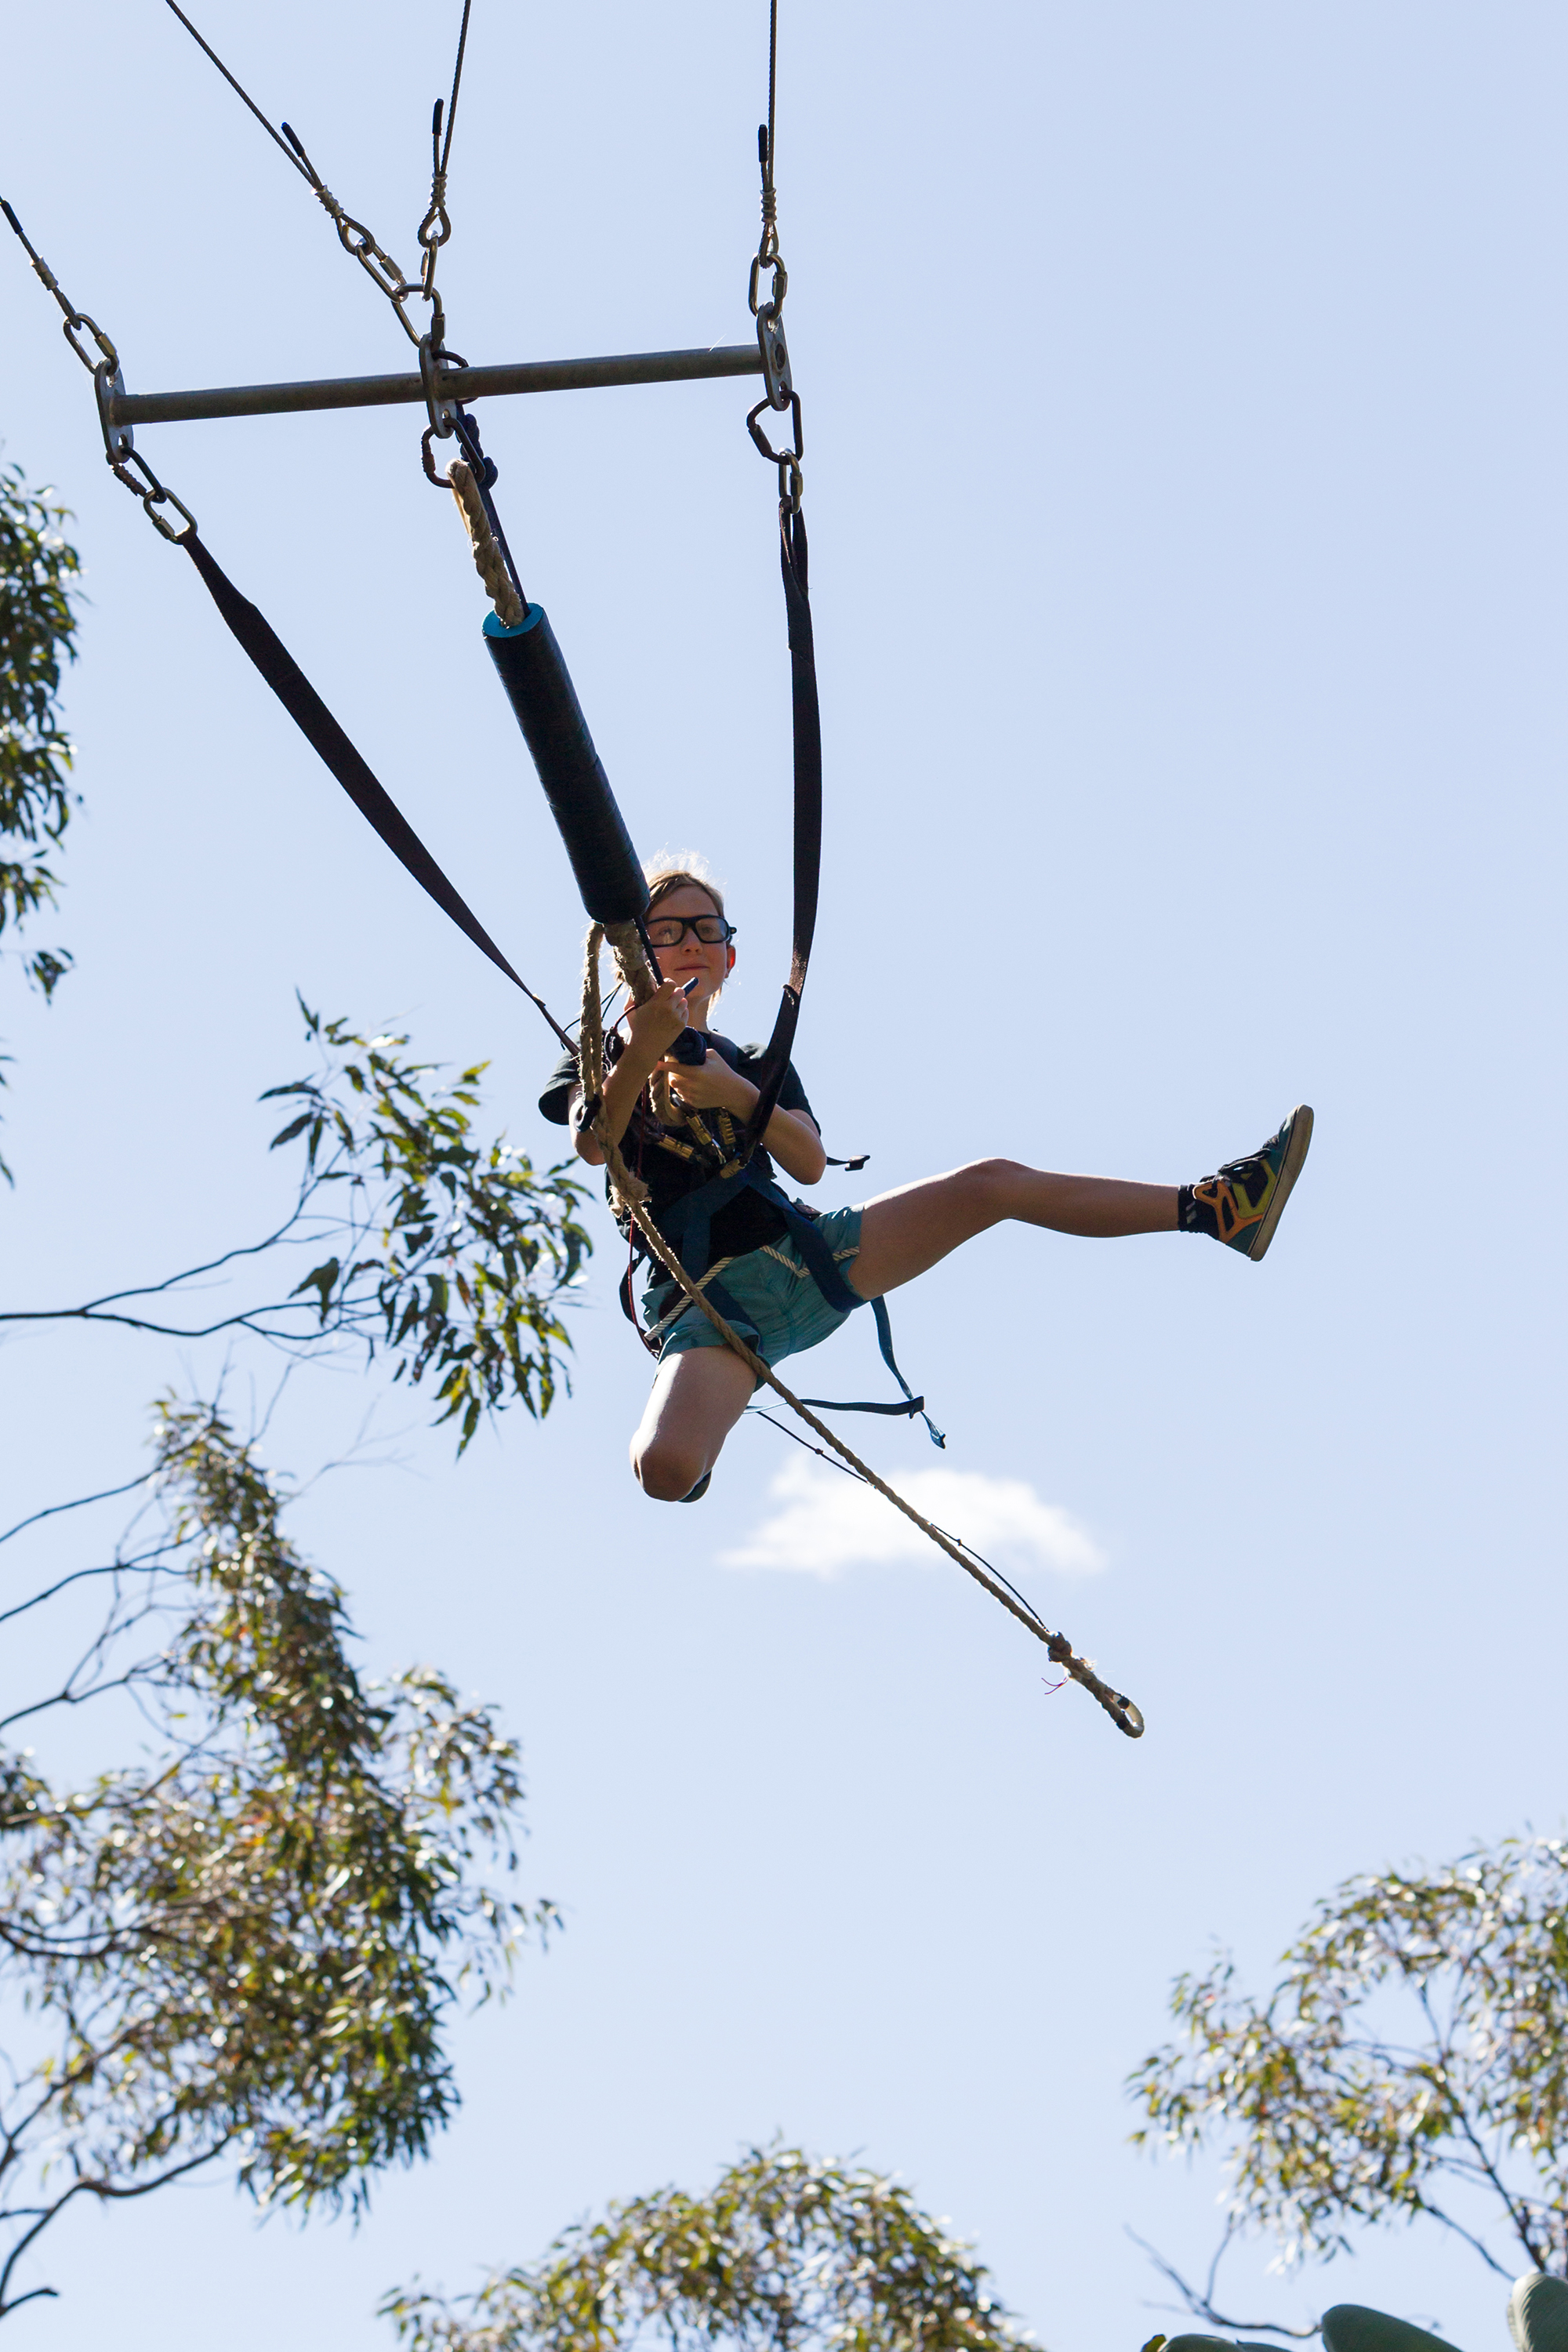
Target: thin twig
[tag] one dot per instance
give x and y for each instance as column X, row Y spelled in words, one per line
column 80, row 1504
column 1202, row 2306
column 67, row 1697
column 174, row 1281
column 149, row 1563
column 1519, row 2218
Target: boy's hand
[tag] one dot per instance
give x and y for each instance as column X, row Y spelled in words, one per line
column 657, row 1021
column 710, row 1085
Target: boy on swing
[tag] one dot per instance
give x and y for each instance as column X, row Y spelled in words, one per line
column 785, row 1284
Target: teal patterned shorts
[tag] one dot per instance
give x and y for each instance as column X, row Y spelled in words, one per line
column 781, row 1311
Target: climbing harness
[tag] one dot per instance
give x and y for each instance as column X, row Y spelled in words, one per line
column 534, row 674
column 687, row 1223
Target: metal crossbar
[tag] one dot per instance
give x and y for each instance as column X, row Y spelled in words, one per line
column 457, row 383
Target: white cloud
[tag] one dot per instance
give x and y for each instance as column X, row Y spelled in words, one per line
column 824, row 1521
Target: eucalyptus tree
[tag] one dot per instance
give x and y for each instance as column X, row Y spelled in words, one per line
column 38, row 571
column 450, row 1256
column 242, row 1946
column 1411, row 2063
column 785, row 2254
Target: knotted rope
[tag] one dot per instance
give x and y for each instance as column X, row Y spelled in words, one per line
column 629, row 1194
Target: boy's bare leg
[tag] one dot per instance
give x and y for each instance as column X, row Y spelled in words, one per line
column 696, row 1402
column 903, row 1233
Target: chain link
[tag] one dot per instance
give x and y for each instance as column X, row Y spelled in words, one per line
column 780, row 395
column 434, row 230
column 385, row 275
column 126, row 461
column 787, row 459
column 436, row 226
column 152, row 492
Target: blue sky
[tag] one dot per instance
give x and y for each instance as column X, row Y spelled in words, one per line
column 1184, row 398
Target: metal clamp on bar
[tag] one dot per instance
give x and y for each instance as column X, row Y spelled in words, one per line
column 433, row 373
column 109, row 385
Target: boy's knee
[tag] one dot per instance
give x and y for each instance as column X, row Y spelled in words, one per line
column 665, row 1473
column 991, row 1181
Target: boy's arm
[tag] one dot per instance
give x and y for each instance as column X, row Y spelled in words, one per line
column 654, row 1026
column 795, row 1141
column 790, row 1136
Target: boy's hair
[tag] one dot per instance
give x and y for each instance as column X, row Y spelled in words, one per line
column 676, row 869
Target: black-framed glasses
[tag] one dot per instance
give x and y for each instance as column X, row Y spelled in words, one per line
column 709, row 931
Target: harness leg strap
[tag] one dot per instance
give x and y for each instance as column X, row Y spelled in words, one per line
column 686, row 1224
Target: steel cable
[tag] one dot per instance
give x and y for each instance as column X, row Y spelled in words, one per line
column 239, row 91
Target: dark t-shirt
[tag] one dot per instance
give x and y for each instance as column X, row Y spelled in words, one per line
column 746, row 1222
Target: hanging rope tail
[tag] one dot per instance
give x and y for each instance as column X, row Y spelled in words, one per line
column 324, row 735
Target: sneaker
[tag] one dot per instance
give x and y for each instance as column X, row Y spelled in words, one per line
column 1242, row 1204
column 700, row 1489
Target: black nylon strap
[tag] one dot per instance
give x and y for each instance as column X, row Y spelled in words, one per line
column 322, row 732
column 808, row 720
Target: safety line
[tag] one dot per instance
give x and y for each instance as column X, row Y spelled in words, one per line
column 772, row 78
column 796, row 1439
column 457, row 81
column 238, row 90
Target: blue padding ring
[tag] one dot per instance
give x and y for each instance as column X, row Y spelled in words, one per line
column 494, row 626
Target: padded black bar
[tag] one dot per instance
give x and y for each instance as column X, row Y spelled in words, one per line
column 530, row 665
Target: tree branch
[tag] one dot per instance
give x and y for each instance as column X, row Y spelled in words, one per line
column 103, row 2190
column 67, row 1697
column 80, row 1504
column 1518, row 2218
column 1202, row 2306
column 174, row 1281
column 148, row 1564
column 1470, row 2239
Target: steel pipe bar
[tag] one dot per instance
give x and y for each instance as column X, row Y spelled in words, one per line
column 457, row 383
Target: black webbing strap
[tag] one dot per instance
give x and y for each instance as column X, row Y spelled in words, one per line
column 322, row 732
column 913, row 1404
column 808, row 721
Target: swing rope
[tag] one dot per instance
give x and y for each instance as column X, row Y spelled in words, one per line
column 488, row 561
column 784, row 1430
column 630, row 1196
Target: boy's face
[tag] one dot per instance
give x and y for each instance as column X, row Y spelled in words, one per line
column 692, row 957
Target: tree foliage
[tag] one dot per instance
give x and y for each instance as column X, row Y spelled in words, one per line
column 247, row 1941
column 450, row 1254
column 37, row 628
column 472, row 1245
column 1413, row 2062
column 785, row 2251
